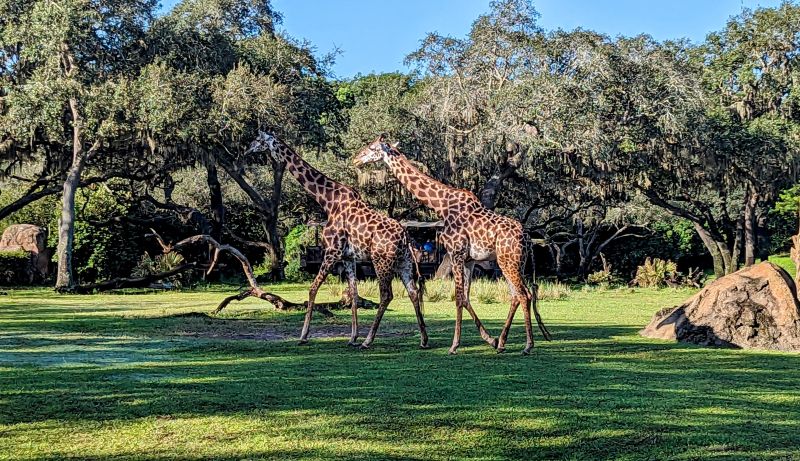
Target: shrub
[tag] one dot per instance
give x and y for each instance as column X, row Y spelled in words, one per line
column 294, row 243
column 161, row 263
column 14, row 267
column 601, row 277
column 655, row 272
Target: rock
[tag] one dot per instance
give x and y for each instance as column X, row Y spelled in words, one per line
column 754, row 308
column 32, row 239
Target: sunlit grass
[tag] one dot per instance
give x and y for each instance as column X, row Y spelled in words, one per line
column 151, row 376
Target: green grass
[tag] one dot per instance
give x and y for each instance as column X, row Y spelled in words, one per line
column 150, row 376
column 784, row 261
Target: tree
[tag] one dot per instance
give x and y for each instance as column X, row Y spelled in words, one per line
column 68, row 65
column 751, row 77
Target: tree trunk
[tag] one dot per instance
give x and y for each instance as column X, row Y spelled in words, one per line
column 445, row 269
column 266, row 209
column 750, row 226
column 736, row 255
column 65, row 279
column 713, row 248
column 66, row 226
column 491, row 189
column 215, row 200
column 275, row 240
column 725, row 251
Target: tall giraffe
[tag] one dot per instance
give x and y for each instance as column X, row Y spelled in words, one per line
column 354, row 230
column 471, row 233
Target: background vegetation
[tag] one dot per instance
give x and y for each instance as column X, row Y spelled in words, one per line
column 114, row 119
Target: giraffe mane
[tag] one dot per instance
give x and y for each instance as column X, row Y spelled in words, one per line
column 393, row 150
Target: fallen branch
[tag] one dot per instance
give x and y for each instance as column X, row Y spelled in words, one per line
column 255, row 290
column 133, row 282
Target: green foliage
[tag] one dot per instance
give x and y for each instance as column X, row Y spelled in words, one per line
column 601, row 277
column 294, row 243
column 669, row 238
column 161, row 263
column 14, row 267
column 655, row 272
column 39, row 213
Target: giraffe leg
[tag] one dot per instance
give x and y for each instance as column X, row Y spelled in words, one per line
column 501, row 345
column 385, row 286
column 352, row 286
column 327, row 263
column 467, row 287
column 510, row 267
column 539, row 322
column 528, row 328
column 458, row 278
column 415, row 296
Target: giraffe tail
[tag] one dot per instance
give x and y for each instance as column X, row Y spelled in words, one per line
column 534, row 302
column 419, row 279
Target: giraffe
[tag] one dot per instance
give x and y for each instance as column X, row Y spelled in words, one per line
column 354, row 230
column 471, row 233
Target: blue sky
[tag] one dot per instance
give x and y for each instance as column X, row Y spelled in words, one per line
column 376, row 35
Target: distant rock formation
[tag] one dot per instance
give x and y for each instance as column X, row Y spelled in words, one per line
column 754, row 308
column 30, row 238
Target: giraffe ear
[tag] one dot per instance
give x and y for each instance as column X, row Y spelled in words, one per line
column 383, row 137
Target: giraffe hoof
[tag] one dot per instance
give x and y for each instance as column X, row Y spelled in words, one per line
column 452, row 351
column 494, row 343
column 352, row 343
column 425, row 346
column 302, row 342
column 501, row 349
column 364, row 347
column 526, row 351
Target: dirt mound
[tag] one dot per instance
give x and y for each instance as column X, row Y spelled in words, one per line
column 754, row 308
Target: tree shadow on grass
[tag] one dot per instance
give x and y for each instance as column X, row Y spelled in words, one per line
column 595, row 392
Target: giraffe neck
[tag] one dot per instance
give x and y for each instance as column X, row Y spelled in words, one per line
column 325, row 191
column 427, row 190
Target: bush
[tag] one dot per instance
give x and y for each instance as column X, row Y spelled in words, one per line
column 294, row 243
column 161, row 263
column 14, row 267
column 655, row 272
column 602, row 277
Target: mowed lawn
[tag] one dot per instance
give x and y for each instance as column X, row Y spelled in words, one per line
column 150, row 376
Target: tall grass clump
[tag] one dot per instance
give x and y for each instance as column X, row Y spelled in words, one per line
column 490, row 291
column 398, row 289
column 437, row 290
column 553, row 291
column 369, row 288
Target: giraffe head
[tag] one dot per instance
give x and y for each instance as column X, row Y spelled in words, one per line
column 375, row 151
column 264, row 142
